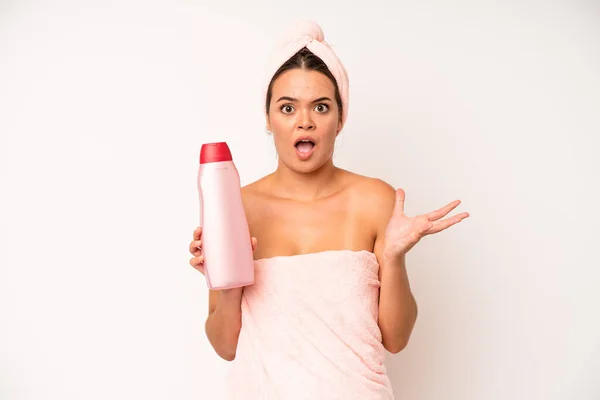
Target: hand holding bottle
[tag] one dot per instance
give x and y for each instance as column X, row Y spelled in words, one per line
column 198, row 260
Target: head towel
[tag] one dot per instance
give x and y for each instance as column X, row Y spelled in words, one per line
column 310, row 35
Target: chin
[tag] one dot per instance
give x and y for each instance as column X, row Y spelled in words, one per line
column 304, row 167
column 308, row 168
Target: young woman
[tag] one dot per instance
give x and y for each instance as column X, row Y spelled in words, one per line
column 331, row 290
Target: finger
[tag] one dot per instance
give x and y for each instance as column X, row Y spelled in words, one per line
column 198, row 233
column 254, row 243
column 442, row 212
column 439, row 226
column 195, row 261
column 195, row 247
column 198, row 263
column 399, row 206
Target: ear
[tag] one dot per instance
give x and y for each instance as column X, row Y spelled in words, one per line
column 268, row 123
column 339, row 127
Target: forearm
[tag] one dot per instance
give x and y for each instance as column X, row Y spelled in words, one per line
column 224, row 323
column 397, row 306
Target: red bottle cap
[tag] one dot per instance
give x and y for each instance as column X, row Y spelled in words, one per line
column 214, row 152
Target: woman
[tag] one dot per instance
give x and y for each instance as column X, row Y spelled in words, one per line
column 331, row 291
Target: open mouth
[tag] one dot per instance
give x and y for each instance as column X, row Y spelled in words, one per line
column 305, row 146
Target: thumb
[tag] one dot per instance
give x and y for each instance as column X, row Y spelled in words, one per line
column 254, row 243
column 399, row 206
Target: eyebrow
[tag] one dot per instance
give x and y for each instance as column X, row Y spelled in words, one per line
column 295, row 100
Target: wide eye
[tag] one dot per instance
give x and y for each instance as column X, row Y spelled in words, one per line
column 322, row 108
column 287, row 108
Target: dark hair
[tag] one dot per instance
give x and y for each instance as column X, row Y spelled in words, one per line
column 305, row 59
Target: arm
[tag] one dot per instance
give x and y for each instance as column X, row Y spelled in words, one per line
column 397, row 233
column 397, row 305
column 224, row 321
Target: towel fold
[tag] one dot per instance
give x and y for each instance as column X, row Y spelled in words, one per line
column 309, row 330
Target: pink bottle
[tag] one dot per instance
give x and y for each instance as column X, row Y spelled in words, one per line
column 226, row 243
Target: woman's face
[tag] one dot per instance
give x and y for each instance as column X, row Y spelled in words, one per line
column 303, row 106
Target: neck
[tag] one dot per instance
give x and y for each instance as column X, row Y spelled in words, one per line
column 304, row 186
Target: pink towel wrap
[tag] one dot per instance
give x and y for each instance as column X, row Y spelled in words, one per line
column 309, row 330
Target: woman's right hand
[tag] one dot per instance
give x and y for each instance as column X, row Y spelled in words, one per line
column 196, row 244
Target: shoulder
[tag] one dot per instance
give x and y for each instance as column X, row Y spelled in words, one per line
column 254, row 189
column 255, row 197
column 375, row 195
column 374, row 199
column 377, row 202
column 378, row 191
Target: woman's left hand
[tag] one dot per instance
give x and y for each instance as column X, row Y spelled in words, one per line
column 403, row 232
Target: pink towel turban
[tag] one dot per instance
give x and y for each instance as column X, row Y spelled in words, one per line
column 310, row 35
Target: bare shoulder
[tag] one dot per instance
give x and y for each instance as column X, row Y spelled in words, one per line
column 373, row 200
column 253, row 197
column 254, row 189
column 375, row 195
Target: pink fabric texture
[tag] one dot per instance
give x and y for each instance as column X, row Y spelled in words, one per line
column 309, row 330
column 310, row 35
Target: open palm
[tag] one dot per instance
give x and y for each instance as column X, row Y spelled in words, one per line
column 403, row 232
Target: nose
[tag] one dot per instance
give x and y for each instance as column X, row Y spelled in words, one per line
column 305, row 121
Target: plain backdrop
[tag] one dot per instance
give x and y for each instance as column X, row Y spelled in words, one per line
column 104, row 106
